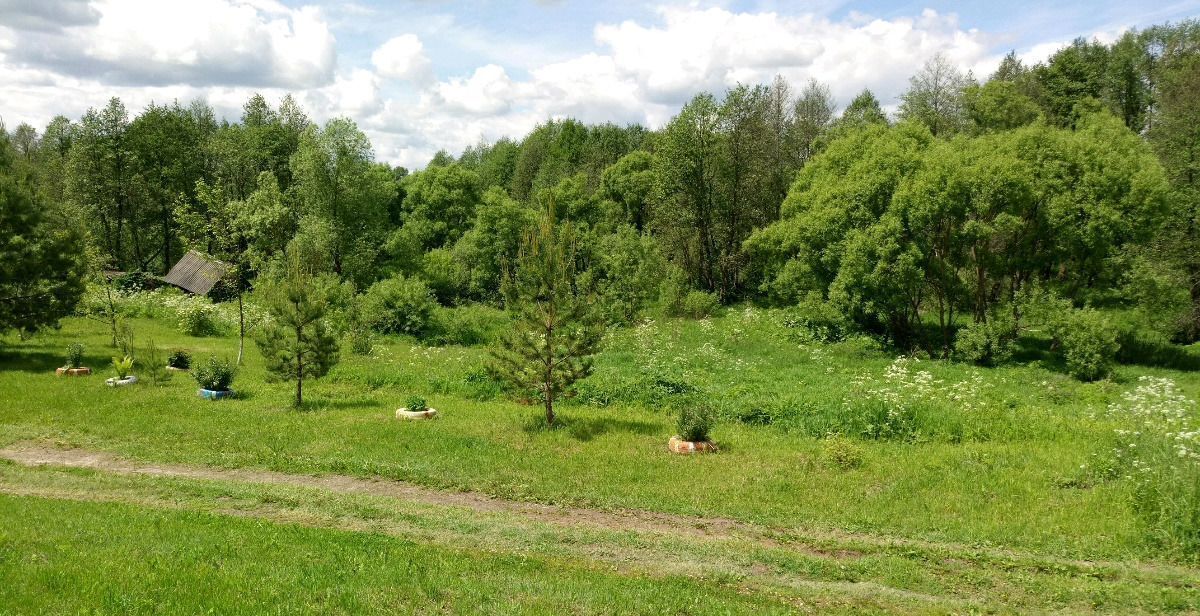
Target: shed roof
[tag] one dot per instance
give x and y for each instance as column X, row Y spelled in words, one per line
column 196, row 272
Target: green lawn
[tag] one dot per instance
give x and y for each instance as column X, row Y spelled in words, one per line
column 1000, row 471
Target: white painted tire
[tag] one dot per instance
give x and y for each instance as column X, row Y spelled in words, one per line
column 115, row 382
column 403, row 413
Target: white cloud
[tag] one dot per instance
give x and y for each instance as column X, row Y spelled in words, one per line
column 224, row 50
column 202, row 42
column 488, row 91
column 403, row 57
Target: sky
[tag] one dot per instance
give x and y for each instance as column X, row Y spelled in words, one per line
column 423, row 75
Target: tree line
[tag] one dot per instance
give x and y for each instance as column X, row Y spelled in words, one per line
column 1074, row 175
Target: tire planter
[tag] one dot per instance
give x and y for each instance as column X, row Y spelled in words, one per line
column 115, row 382
column 73, row 371
column 174, row 369
column 678, row 445
column 213, row 394
column 403, row 413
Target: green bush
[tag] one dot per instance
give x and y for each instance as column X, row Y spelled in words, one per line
column 1089, row 344
column 74, row 355
column 214, row 374
column 415, row 404
column 399, row 305
column 179, row 358
column 196, row 319
column 132, row 282
column 841, row 452
column 987, row 343
column 815, row 320
column 474, row 324
column 700, row 304
column 362, row 342
column 695, row 421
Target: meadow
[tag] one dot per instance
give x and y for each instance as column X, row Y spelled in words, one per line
column 848, row 479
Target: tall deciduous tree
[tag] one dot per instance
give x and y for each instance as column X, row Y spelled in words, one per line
column 99, row 178
column 555, row 330
column 338, row 182
column 935, row 97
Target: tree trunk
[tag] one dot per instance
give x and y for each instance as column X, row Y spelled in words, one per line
column 241, row 326
column 549, row 408
column 299, row 367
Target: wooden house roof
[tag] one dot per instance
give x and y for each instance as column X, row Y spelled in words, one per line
column 196, row 272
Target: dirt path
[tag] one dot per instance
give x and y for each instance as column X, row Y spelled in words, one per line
column 832, row 545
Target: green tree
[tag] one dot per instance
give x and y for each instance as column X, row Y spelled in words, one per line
column 935, row 97
column 337, row 181
column 555, row 332
column 99, row 178
column 297, row 343
column 41, row 266
column 244, row 234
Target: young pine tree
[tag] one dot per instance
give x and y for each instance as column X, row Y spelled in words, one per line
column 555, row 332
column 298, row 344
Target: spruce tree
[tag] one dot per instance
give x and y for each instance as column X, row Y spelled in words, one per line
column 555, row 331
column 298, row 344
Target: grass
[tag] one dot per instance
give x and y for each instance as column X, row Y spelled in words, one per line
column 998, row 467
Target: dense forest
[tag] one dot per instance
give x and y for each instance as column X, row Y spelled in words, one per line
column 1073, row 184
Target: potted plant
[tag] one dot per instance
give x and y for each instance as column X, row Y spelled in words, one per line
column 214, row 376
column 179, row 361
column 123, row 366
column 695, row 421
column 74, row 365
column 415, row 408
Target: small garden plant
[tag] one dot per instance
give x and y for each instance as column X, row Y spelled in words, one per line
column 214, row 374
column 74, row 355
column 123, row 366
column 415, row 404
column 695, row 422
column 180, row 359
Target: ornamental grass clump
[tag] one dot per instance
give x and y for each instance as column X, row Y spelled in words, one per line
column 1158, row 449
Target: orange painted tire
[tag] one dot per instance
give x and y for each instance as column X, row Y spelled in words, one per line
column 73, row 371
column 678, row 445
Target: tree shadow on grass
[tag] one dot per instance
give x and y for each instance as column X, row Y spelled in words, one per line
column 587, row 428
column 30, row 361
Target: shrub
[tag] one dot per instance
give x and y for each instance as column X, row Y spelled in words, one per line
column 179, row 358
column 841, row 452
column 415, row 404
column 695, row 421
column 122, row 366
column 700, row 304
column 361, row 340
column 468, row 325
column 214, row 374
column 196, row 319
column 399, row 305
column 74, row 355
column 817, row 321
column 987, row 343
column 1089, row 344
column 132, row 282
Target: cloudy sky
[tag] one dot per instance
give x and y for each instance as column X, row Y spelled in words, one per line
column 423, row 75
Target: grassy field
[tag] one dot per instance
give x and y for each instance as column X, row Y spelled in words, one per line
column 979, row 496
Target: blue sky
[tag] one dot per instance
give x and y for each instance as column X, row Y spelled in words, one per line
column 423, row 75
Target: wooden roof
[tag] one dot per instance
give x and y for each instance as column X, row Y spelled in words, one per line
column 196, row 272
